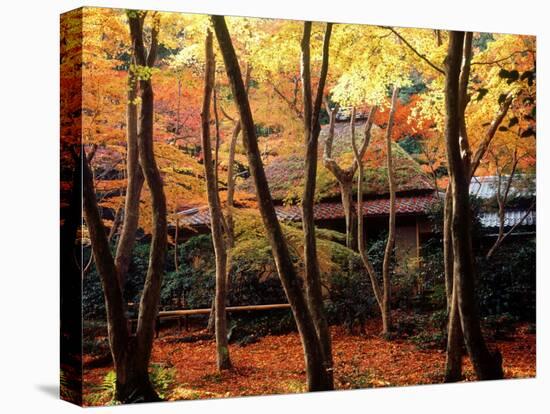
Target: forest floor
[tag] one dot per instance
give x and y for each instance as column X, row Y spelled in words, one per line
column 275, row 365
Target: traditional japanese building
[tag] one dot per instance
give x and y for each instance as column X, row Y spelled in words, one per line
column 416, row 195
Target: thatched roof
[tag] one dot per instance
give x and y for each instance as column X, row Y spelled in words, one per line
column 286, row 173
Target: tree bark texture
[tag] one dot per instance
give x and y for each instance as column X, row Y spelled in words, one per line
column 312, row 129
column 382, row 294
column 378, row 291
column 287, row 273
column 390, row 243
column 344, row 178
column 486, row 365
column 222, row 348
column 134, row 185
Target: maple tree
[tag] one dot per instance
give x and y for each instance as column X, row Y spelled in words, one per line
column 382, row 295
column 220, row 249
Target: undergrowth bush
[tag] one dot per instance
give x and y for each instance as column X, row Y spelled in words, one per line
column 161, row 377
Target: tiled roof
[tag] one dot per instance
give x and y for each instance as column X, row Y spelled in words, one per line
column 523, row 186
column 378, row 207
column 195, row 217
column 419, row 204
column 511, row 218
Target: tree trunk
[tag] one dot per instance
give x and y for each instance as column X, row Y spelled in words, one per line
column 311, row 141
column 222, row 348
column 344, row 178
column 448, row 245
column 382, row 295
column 346, row 192
column 231, row 187
column 486, row 366
column 315, row 370
column 135, row 184
column 231, row 184
column 386, row 302
column 132, row 384
column 358, row 154
column 131, row 354
column 453, row 364
column 502, row 199
column 176, row 234
column 150, row 297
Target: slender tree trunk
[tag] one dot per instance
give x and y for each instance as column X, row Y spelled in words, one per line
column 315, row 370
column 486, row 366
column 110, row 237
column 114, row 304
column 222, row 348
column 211, row 327
column 345, row 177
column 453, row 364
column 231, row 187
column 131, row 354
column 311, row 141
column 116, row 223
column 346, row 193
column 382, row 295
column 150, row 297
column 358, row 154
column 448, row 244
column 499, row 242
column 502, row 199
column 176, row 234
column 135, row 178
column 132, row 384
column 390, row 243
column 231, row 184
column 178, row 111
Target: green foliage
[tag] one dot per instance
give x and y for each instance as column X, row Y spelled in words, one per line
column 500, row 327
column 430, row 340
column 417, row 86
column 411, row 144
column 481, row 40
column 194, row 282
column 161, row 377
column 507, row 281
column 425, row 330
column 104, row 393
column 247, row 329
column 351, row 300
column 142, row 72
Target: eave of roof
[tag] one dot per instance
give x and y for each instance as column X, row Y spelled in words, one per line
column 511, row 218
column 485, row 187
column 379, row 207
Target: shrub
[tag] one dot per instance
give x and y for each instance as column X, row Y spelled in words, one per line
column 507, row 281
column 162, row 379
column 245, row 330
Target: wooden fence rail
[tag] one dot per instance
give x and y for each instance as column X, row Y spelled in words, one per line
column 184, row 313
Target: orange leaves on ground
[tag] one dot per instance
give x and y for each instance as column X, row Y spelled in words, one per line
column 275, row 365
